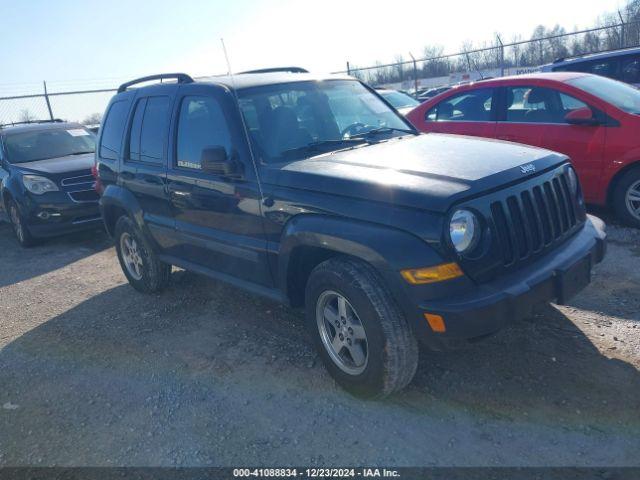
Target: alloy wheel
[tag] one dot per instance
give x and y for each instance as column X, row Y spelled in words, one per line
column 632, row 198
column 131, row 256
column 16, row 222
column 342, row 332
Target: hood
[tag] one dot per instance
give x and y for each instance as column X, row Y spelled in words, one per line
column 58, row 166
column 430, row 171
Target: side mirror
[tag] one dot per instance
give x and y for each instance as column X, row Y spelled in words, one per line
column 214, row 159
column 581, row 116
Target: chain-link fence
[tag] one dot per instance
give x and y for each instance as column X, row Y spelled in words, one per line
column 433, row 69
column 498, row 58
column 82, row 106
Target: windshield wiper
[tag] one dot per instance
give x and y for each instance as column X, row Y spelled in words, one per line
column 376, row 131
column 325, row 145
column 82, row 153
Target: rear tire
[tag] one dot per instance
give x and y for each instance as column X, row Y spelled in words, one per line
column 139, row 262
column 626, row 198
column 20, row 229
column 369, row 320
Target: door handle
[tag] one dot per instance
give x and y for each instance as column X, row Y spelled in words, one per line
column 180, row 193
column 181, row 190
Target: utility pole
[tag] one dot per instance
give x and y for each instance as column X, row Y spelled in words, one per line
column 501, row 55
column 622, row 42
column 46, row 99
column 415, row 73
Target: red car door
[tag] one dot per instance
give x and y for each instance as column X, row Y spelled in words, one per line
column 537, row 115
column 466, row 112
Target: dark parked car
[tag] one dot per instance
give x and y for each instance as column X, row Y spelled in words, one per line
column 401, row 101
column 93, row 128
column 312, row 191
column 46, row 186
column 432, row 92
column 622, row 65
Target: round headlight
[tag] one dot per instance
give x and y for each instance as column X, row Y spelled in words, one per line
column 463, row 230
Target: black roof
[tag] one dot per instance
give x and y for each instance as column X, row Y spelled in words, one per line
column 241, row 80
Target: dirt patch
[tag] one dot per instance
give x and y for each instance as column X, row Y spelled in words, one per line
column 94, row 373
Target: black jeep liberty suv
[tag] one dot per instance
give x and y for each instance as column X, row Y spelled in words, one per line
column 314, row 191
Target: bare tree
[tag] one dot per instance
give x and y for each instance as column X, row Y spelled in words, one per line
column 26, row 115
column 93, row 119
column 545, row 45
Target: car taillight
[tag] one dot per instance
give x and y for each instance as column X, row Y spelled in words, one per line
column 97, row 185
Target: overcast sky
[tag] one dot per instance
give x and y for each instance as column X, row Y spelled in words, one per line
column 78, row 44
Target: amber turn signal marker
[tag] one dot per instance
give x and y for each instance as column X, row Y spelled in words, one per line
column 436, row 322
column 439, row 273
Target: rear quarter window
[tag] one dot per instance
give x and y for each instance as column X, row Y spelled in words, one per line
column 113, row 130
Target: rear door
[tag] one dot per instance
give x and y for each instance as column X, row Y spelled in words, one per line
column 470, row 112
column 535, row 115
column 218, row 217
column 144, row 165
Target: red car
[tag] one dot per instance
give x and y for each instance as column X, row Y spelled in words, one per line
column 594, row 120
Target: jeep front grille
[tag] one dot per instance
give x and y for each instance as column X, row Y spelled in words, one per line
column 523, row 222
column 528, row 222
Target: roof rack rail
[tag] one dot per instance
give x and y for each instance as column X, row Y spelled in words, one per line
column 277, row 69
column 27, row 122
column 180, row 77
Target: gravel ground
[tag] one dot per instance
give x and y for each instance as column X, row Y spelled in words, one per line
column 94, row 373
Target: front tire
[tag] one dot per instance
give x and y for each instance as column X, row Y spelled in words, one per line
column 358, row 329
column 20, row 228
column 626, row 198
column 139, row 262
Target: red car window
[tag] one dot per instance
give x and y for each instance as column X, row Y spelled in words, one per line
column 467, row 106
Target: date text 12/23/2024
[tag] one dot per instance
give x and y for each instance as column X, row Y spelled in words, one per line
column 315, row 472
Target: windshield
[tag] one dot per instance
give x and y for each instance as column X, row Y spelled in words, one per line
column 43, row 144
column 292, row 120
column 619, row 94
column 399, row 99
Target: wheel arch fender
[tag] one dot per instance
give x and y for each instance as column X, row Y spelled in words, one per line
column 11, row 188
column 387, row 249
column 617, row 176
column 116, row 201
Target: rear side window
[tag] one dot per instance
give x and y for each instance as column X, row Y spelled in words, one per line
column 531, row 104
column 605, row 67
column 631, row 69
column 154, row 129
column 201, row 124
column 149, row 130
column 113, row 130
column 468, row 106
column 136, row 128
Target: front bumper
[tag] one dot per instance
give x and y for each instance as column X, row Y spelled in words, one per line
column 57, row 214
column 488, row 307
